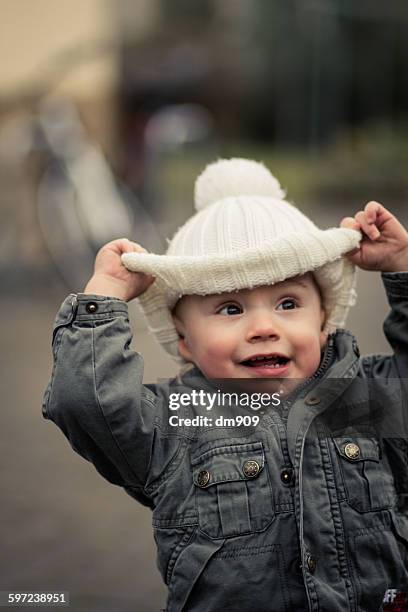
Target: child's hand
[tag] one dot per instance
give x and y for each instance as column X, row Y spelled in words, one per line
column 384, row 246
column 110, row 276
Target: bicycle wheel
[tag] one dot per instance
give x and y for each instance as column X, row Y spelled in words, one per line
column 61, row 227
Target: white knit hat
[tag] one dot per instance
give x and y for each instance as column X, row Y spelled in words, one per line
column 244, row 235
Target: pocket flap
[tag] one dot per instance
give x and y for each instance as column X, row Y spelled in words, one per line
column 228, row 463
column 356, row 448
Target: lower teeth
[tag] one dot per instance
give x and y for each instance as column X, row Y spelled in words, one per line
column 271, row 365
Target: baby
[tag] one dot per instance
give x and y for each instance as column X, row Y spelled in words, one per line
column 300, row 509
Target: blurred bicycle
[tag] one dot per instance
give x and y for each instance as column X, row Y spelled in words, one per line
column 80, row 204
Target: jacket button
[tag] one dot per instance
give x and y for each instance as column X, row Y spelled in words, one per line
column 311, row 564
column 91, row 307
column 203, row 478
column 312, row 400
column 352, row 451
column 287, row 476
column 251, row 468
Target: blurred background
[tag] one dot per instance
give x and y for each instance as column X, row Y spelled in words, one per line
column 108, row 111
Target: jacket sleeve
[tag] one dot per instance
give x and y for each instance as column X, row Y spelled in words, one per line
column 96, row 395
column 395, row 329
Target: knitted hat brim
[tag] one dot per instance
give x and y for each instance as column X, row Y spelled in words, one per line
column 270, row 262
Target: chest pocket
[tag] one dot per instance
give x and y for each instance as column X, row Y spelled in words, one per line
column 367, row 482
column 232, row 490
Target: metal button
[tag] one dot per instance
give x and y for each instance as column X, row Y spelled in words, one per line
column 251, row 468
column 352, row 451
column 312, row 400
column 311, row 563
column 91, row 307
column 203, row 478
column 287, row 476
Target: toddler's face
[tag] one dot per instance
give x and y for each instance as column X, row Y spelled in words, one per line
column 272, row 331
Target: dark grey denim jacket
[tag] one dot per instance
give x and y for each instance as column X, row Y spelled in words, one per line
column 319, row 524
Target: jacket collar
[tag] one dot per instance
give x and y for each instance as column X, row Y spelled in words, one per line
column 321, row 394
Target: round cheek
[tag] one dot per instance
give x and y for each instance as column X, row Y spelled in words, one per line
column 308, row 354
column 315, row 359
column 213, row 357
column 214, row 353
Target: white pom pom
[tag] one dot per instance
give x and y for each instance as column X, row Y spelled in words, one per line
column 235, row 177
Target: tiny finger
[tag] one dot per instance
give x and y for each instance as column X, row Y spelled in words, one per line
column 368, row 227
column 350, row 223
column 372, row 210
column 132, row 247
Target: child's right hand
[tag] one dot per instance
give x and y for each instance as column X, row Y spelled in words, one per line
column 110, row 276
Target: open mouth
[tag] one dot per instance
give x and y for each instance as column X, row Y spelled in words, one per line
column 266, row 361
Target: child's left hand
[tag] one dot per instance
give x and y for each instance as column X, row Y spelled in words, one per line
column 384, row 246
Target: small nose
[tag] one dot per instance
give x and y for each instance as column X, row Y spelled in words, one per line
column 262, row 326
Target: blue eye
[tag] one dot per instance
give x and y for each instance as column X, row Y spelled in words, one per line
column 230, row 309
column 287, row 304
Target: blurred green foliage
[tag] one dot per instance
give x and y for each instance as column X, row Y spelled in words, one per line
column 368, row 162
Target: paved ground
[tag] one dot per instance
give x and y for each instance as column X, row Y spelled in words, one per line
column 63, row 527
